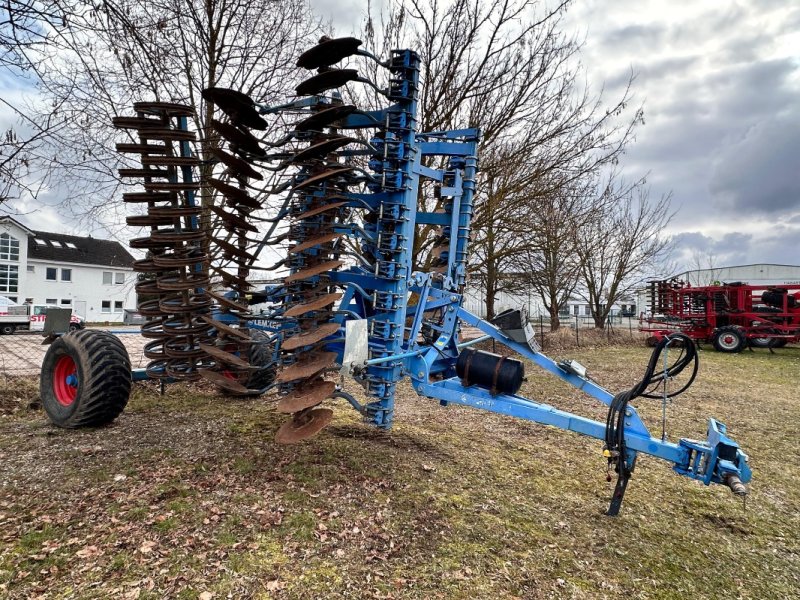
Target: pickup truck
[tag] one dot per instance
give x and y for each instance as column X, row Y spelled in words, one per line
column 19, row 317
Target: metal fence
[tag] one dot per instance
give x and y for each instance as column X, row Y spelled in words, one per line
column 21, row 354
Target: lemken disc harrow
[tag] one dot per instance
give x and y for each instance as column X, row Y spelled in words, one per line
column 342, row 188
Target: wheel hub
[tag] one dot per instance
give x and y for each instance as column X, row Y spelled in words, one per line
column 65, row 381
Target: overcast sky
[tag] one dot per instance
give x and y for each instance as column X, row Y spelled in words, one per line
column 720, row 83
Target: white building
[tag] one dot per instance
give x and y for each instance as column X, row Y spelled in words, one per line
column 93, row 277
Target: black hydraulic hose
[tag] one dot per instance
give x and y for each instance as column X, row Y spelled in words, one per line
column 615, row 420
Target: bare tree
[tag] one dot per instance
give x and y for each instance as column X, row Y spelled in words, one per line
column 106, row 56
column 506, row 67
column 623, row 243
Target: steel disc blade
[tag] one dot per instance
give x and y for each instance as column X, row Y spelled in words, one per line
column 306, row 396
column 236, row 165
column 308, row 338
column 316, row 241
column 328, row 52
column 239, row 107
column 324, row 176
column 233, row 220
column 223, row 356
column 303, row 426
column 314, row 270
column 319, row 150
column 316, row 304
column 222, row 381
column 226, row 329
column 319, row 210
column 167, row 108
column 324, row 118
column 303, row 369
column 233, row 193
column 243, row 139
column 326, row 80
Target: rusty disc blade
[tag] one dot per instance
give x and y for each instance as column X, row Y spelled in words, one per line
column 324, row 118
column 319, row 210
column 222, row 381
column 327, row 80
column 148, row 219
column 170, row 161
column 227, row 329
column 136, row 123
column 148, row 197
column 174, row 212
column 143, row 148
column 243, row 139
column 237, row 166
column 328, row 52
column 314, row 270
column 172, row 186
column 144, row 172
column 167, row 134
column 234, row 250
column 223, row 356
column 304, row 425
column 233, row 220
column 324, row 176
column 321, row 149
column 227, row 302
column 303, row 369
column 307, row 338
column 233, row 193
column 167, row 108
column 238, row 106
column 230, row 279
column 321, row 239
column 317, row 304
column 306, row 396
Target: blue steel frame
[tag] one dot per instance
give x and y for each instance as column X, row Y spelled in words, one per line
column 381, row 296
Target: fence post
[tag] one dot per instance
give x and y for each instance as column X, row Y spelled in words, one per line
column 577, row 335
column 541, row 330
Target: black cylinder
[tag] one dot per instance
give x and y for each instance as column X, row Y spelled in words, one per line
column 498, row 374
column 775, row 296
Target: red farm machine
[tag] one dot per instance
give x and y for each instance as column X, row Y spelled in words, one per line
column 731, row 316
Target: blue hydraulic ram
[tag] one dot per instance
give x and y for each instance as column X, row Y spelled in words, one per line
column 359, row 188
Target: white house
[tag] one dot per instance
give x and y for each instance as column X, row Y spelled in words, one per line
column 93, row 277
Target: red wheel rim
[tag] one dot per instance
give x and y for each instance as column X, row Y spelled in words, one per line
column 65, row 381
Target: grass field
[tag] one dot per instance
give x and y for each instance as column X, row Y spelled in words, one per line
column 187, row 496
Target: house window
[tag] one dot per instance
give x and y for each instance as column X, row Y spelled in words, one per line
column 108, row 277
column 66, row 274
column 119, row 278
column 66, row 302
column 9, row 247
column 31, row 269
column 118, row 306
column 51, row 274
column 9, row 278
column 40, row 242
column 51, row 301
column 106, row 306
column 12, row 298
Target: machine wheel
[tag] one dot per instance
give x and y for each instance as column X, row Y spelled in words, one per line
column 729, row 339
column 86, row 379
column 260, row 356
column 7, row 329
column 74, row 327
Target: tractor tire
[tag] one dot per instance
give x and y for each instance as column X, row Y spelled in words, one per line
column 729, row 339
column 85, row 379
column 261, row 356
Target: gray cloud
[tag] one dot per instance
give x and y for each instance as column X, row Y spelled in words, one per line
column 760, row 173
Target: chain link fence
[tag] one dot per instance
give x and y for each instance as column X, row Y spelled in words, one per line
column 22, row 353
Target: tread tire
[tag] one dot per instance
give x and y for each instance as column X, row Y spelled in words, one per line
column 103, row 370
column 721, row 336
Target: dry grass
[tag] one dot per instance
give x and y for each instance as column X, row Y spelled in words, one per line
column 187, row 494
